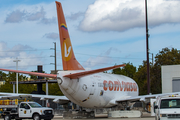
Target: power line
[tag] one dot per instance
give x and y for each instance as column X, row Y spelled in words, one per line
column 108, row 56
column 75, row 53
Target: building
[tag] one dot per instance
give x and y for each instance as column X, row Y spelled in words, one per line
column 170, row 78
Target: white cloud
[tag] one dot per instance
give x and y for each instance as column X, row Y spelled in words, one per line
column 15, row 17
column 7, row 55
column 45, row 20
column 100, row 60
column 75, row 16
column 52, row 35
column 12, row 52
column 26, row 60
column 3, row 47
column 36, row 14
column 121, row 15
column 29, row 60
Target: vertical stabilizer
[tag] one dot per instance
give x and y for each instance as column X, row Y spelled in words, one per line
column 68, row 58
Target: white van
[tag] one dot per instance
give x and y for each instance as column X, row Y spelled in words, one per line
column 167, row 107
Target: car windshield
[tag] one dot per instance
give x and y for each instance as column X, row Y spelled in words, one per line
column 34, row 105
column 170, row 103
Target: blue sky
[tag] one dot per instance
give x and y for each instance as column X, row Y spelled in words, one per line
column 103, row 32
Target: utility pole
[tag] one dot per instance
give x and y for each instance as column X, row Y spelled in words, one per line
column 16, row 74
column 147, row 49
column 55, row 69
column 152, row 58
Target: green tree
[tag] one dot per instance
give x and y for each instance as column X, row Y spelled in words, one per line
column 33, row 77
column 54, row 89
column 7, row 87
column 128, row 70
column 25, row 88
column 141, row 78
column 11, row 77
column 165, row 57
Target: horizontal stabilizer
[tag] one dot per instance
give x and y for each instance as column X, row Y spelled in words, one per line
column 81, row 74
column 31, row 73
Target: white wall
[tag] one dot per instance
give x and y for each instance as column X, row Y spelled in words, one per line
column 168, row 73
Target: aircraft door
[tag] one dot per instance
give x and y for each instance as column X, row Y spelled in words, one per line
column 93, row 88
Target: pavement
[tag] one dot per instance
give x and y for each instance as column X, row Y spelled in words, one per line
column 145, row 116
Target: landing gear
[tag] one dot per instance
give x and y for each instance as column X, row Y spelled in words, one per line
column 78, row 114
column 92, row 114
column 126, row 105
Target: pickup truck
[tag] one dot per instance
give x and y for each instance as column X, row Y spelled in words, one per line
column 26, row 110
column 167, row 108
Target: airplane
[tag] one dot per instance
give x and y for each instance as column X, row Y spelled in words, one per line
column 89, row 89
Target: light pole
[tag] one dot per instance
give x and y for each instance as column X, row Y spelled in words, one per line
column 55, row 69
column 16, row 74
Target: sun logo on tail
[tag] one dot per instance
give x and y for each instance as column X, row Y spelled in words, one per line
column 66, row 46
column 66, row 50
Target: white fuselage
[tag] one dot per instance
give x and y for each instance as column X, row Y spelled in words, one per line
column 98, row 90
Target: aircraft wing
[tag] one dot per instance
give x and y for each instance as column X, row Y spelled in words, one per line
column 81, row 74
column 14, row 97
column 56, row 99
column 143, row 98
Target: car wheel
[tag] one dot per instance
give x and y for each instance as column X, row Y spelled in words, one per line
column 7, row 117
column 36, row 117
column 155, row 118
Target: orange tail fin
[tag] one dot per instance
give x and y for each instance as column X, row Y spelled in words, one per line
column 68, row 57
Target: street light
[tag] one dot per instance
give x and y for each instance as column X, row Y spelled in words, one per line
column 16, row 74
column 55, row 70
